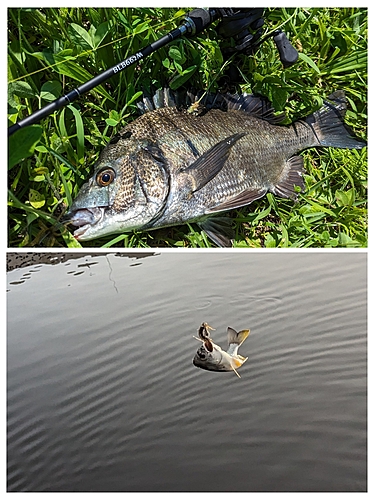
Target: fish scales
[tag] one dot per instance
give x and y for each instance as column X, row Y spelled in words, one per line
column 183, row 136
column 256, row 160
column 171, row 166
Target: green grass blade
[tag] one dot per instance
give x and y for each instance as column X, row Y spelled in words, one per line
column 80, row 132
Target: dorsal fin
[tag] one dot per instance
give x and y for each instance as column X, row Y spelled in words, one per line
column 258, row 106
column 161, row 98
column 255, row 105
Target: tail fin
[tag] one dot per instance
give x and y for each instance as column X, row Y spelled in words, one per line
column 329, row 127
column 237, row 338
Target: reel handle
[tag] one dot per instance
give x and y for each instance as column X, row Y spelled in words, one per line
column 288, row 54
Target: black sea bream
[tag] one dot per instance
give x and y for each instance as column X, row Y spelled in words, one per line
column 174, row 165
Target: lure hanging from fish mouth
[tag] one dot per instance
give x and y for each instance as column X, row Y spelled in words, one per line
column 213, row 358
column 204, row 336
column 203, row 331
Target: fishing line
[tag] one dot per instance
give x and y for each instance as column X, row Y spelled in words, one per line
column 110, row 274
column 88, row 52
column 245, row 26
column 195, row 22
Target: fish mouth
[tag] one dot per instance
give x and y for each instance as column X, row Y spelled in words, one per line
column 199, row 363
column 85, row 218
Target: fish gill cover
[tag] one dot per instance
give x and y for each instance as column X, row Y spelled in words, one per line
column 332, row 47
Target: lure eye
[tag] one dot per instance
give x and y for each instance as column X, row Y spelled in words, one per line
column 201, row 353
column 105, row 177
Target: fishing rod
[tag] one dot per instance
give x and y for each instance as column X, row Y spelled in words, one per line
column 244, row 25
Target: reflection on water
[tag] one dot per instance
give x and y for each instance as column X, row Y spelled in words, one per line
column 103, row 395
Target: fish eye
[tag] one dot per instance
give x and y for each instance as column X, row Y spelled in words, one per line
column 105, row 177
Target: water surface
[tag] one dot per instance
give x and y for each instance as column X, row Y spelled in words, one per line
column 103, row 395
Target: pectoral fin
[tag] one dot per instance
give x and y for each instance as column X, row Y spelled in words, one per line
column 236, row 364
column 209, row 164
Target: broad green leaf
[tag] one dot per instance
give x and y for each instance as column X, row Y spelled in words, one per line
column 21, row 89
column 269, row 241
column 175, row 54
column 134, row 97
column 345, row 198
column 52, row 58
column 80, row 37
column 279, row 98
column 100, row 33
column 51, row 90
column 141, row 27
column 178, row 67
column 111, row 122
column 345, row 240
column 22, row 143
column 36, row 199
column 179, row 80
column 166, row 63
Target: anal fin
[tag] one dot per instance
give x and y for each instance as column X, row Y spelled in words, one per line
column 292, row 176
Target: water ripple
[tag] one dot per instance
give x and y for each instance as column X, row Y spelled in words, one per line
column 103, row 396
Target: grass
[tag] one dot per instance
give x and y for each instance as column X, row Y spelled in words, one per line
column 53, row 50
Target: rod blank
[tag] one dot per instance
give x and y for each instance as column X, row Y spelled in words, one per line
column 187, row 28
